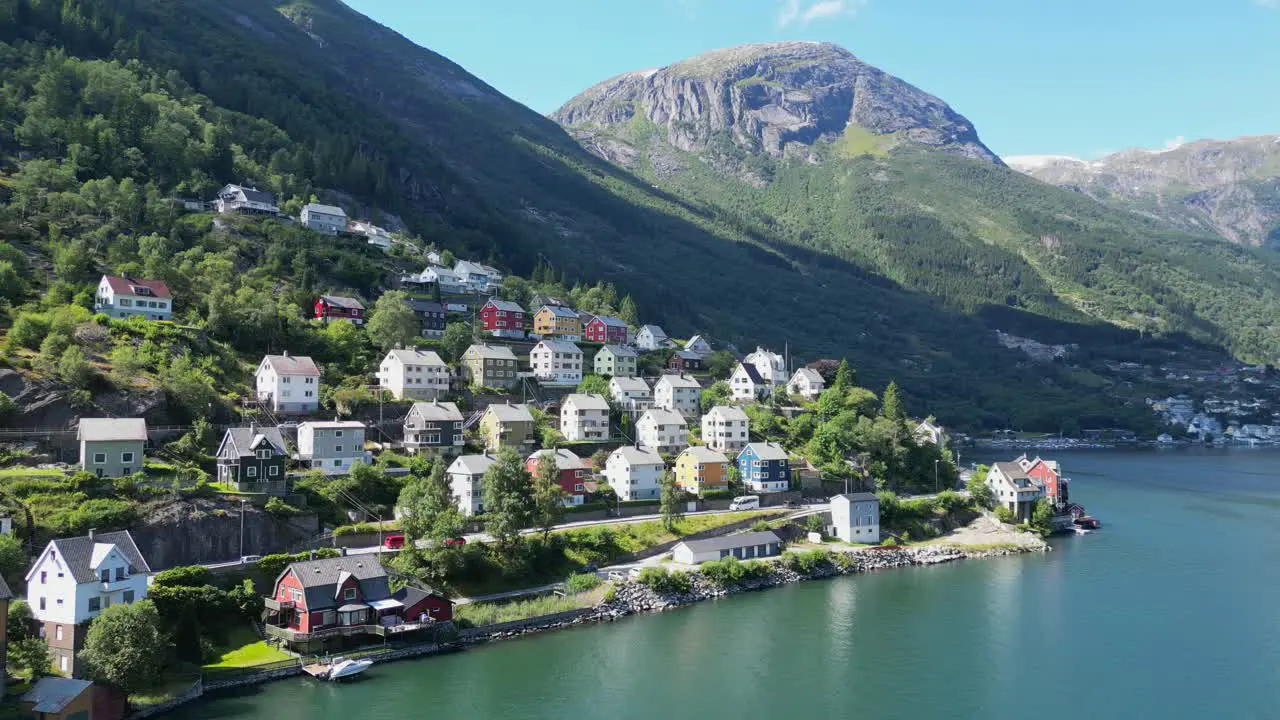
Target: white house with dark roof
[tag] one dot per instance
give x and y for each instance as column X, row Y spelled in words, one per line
column 326, row 219
column 556, row 362
column 743, row 546
column 465, row 475
column 652, row 337
column 662, row 430
column 447, row 279
column 634, row 472
column 679, row 393
column 771, row 366
column 288, row 383
column 807, row 383
column 73, row 580
column 477, row 277
column 632, row 394
column 698, row 344
column 928, row 432
column 126, row 297
column 112, row 447
column 584, row 417
column 414, row 374
column 856, row 517
column 1014, row 488
column 246, row 201
column 747, row 385
column 726, row 428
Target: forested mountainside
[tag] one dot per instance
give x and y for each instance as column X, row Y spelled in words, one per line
column 1228, row 187
column 111, row 106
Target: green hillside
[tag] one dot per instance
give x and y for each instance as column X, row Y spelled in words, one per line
column 904, row 262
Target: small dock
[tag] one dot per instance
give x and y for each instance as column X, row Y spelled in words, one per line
column 317, row 670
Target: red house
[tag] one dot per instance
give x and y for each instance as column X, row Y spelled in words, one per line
column 1048, row 474
column 604, row 329
column 573, row 473
column 504, row 318
column 684, row 361
column 348, row 595
column 336, row 307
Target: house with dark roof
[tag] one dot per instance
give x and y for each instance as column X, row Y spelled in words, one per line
column 433, row 314
column 126, row 297
column 73, row 580
column 434, row 426
column 252, row 459
column 557, row 321
column 112, row 447
column 288, row 383
column 683, row 361
column 605, row 329
column 246, row 201
column 856, row 517
column 1014, row 488
column 744, row 546
column 339, row 307
column 747, row 384
column 504, row 319
column 326, row 219
column 764, row 467
column 314, row 600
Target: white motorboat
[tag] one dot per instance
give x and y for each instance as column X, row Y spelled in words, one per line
column 341, row 668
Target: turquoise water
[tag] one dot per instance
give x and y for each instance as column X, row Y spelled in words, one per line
column 1170, row 612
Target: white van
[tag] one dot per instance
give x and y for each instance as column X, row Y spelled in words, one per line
column 745, row 502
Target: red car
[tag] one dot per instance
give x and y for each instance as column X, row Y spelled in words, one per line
column 454, row 542
column 394, row 542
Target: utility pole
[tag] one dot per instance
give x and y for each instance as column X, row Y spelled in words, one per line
column 935, row 477
column 242, row 503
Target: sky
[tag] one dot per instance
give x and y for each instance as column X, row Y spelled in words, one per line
column 1073, row 77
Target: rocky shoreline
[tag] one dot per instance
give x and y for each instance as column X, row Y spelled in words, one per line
column 630, row 597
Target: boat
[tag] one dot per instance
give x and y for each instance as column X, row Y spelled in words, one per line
column 342, row 668
column 1087, row 522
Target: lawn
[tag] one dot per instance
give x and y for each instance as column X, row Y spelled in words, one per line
column 31, row 472
column 480, row 614
column 638, row 536
column 245, row 649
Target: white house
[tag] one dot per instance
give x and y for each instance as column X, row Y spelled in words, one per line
column 465, row 475
column 744, row 546
column 807, row 383
column 125, row 297
column 680, row 393
column 699, row 345
column 477, row 277
column 771, row 366
column 584, row 417
column 1014, row 488
column 631, row 393
column 652, row 337
column 288, row 384
column 928, row 432
column 332, row 447
column 726, row 428
column 634, row 473
column 74, row 579
column 414, row 374
column 246, row 201
column 447, row 279
column 327, row 219
column 747, row 384
column 378, row 237
column 856, row 517
column 556, row 362
column 662, row 430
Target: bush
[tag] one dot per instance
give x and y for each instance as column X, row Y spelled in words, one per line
column 951, row 501
column 729, row 571
column 188, row 576
column 807, row 562
column 279, row 508
column 760, row 526
column 29, row 329
column 889, row 542
column 581, row 582
column 717, row 495
column 1005, row 515
column 665, row 582
column 366, row 528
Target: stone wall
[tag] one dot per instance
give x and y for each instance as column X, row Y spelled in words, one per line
column 199, row 530
column 519, row 627
column 153, row 710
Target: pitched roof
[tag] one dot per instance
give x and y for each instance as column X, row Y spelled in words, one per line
column 5, row 592
column 291, row 365
column 472, row 464
column 505, row 305
column 125, row 285
column 325, row 209
column 332, row 425
column 620, row 351
column 442, row 273
column 859, row 497
column 77, row 553
column 766, row 451
column 704, row 454
column 53, row 694
column 688, row 355
column 320, row 578
column 559, row 311
column 491, row 352
column 437, row 411
column 638, row 455
column 809, row 374
column 108, row 429
column 695, row 340
column 662, row 417
column 630, row 384
column 611, row 321
column 506, row 412
column 252, row 194
column 415, row 357
column 343, row 301
column 655, row 331
column 423, row 306
column 1012, row 470
column 729, row 542
column 410, row 596
column 752, row 373
column 729, row 412
column 584, row 401
column 565, row 459
column 678, row 381
column 244, row 438
column 562, row 346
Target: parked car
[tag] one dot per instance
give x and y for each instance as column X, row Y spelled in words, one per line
column 745, row 502
column 633, row 573
column 393, row 542
column 455, row 542
column 250, row 559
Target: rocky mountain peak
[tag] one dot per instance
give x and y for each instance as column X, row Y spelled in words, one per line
column 776, row 98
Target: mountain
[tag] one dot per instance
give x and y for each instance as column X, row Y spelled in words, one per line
column 851, row 215
column 1227, row 187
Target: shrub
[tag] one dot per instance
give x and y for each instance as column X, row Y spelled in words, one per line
column 807, row 562
column 1005, row 515
column 760, row 526
column 581, row 582
column 889, row 542
column 187, row 576
column 665, row 582
column 611, row 594
column 729, row 571
column 29, row 329
column 951, row 501
column 717, row 494
column 279, row 508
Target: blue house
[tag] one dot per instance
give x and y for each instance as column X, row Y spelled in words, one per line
column 764, row 468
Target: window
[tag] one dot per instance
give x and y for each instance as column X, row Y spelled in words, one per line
column 124, row 302
column 337, row 433
column 99, row 458
column 41, row 603
column 251, row 471
column 95, row 604
column 273, row 470
column 264, row 454
column 337, row 463
column 349, row 594
column 44, row 576
column 128, row 596
column 106, row 575
column 126, row 457
column 119, row 573
column 337, row 448
column 64, row 664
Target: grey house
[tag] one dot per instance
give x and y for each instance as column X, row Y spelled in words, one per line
column 112, row 447
column 252, row 459
column 434, row 426
column 332, row 447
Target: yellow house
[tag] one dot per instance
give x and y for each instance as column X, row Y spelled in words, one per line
column 557, row 321
column 507, row 426
column 700, row 468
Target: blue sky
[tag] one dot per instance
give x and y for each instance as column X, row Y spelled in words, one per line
column 1074, row 77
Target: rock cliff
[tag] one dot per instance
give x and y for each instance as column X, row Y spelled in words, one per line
column 191, row 531
column 775, row 98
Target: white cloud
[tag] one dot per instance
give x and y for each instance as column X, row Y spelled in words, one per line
column 1267, row 3
column 806, row 11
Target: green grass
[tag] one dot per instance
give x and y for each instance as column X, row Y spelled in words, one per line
column 857, row 141
column 169, row 688
column 638, row 536
column 480, row 614
column 245, row 649
column 31, row 472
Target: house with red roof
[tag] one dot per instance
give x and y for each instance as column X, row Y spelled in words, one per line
column 126, row 297
column 338, row 307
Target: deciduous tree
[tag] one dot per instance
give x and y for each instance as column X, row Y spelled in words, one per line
column 671, row 501
column 125, row 648
column 548, row 496
column 392, row 322
column 508, row 499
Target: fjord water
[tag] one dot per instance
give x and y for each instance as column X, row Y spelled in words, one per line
column 1171, row 611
